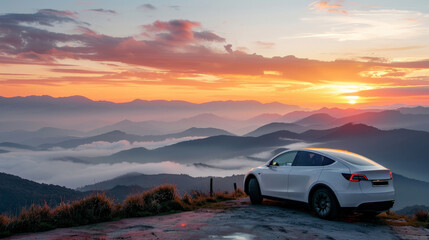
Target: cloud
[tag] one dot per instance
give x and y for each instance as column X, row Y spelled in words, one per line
column 147, row 6
column 172, row 45
column 101, row 10
column 265, row 44
column 175, row 7
column 39, row 166
column 362, row 25
column 208, row 36
column 228, row 48
column 78, row 71
column 406, row 48
column 176, row 31
column 395, row 92
column 45, row 17
column 66, row 13
column 182, row 54
column 328, row 7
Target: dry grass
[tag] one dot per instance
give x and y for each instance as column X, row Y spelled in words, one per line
column 99, row 208
column 421, row 216
column 420, row 219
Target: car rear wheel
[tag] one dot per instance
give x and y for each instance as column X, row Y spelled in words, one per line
column 254, row 191
column 324, row 203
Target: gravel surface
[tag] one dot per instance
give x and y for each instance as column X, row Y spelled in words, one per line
column 240, row 220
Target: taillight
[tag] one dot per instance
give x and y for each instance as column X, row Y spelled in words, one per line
column 354, row 177
column 391, row 176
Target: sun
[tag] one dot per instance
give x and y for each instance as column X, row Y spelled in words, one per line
column 352, row 99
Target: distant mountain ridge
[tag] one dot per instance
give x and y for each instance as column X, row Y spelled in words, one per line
column 16, row 193
column 388, row 147
column 38, row 106
column 16, row 146
column 204, row 120
column 183, row 182
column 43, row 135
column 388, row 119
column 116, row 135
column 274, row 127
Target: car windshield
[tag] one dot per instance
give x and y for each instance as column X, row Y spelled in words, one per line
column 353, row 158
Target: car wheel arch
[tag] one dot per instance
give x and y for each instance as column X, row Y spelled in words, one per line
column 247, row 180
column 319, row 186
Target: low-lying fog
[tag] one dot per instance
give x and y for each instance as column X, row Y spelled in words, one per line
column 41, row 167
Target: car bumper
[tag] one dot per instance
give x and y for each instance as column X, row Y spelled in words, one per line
column 356, row 199
column 375, row 206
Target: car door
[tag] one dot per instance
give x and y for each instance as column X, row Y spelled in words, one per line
column 274, row 177
column 305, row 170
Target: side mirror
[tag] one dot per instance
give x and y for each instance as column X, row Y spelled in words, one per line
column 275, row 164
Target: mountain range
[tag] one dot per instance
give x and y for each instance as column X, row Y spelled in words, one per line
column 196, row 151
column 117, row 135
column 44, row 135
column 388, row 119
column 64, row 112
column 401, row 150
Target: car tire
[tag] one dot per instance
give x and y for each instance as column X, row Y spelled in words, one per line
column 325, row 204
column 254, row 191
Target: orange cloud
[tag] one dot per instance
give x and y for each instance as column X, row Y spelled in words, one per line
column 396, row 92
column 174, row 59
column 327, row 7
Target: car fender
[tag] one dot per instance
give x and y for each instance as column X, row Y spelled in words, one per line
column 247, row 176
column 320, row 183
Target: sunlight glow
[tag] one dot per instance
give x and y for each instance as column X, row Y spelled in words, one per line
column 352, row 99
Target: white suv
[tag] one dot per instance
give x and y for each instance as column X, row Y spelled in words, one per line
column 326, row 179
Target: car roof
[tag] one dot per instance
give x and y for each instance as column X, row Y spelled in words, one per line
column 332, row 153
column 317, row 150
column 324, row 151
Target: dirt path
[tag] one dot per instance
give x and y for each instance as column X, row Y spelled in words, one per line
column 272, row 220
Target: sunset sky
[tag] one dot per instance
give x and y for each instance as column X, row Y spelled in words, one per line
column 307, row 53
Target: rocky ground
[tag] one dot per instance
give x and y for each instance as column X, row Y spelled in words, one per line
column 237, row 220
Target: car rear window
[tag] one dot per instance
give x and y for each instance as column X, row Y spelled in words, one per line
column 353, row 158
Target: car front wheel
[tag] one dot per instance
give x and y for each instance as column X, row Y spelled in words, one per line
column 324, row 203
column 254, row 191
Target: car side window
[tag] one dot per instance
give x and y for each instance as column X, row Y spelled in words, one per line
column 285, row 159
column 308, row 159
column 327, row 161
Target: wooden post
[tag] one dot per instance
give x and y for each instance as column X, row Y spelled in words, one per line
column 211, row 187
column 235, row 186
